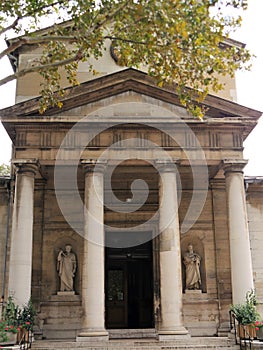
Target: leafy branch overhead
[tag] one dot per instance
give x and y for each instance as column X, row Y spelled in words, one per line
column 180, row 42
column 5, row 170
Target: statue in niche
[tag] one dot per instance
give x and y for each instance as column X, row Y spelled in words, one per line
column 66, row 267
column 192, row 261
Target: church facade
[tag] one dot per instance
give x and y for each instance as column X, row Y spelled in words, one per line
column 125, row 213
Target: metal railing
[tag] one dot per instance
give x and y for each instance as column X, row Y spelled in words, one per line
column 26, row 339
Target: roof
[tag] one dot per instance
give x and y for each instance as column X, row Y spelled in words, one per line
column 254, row 179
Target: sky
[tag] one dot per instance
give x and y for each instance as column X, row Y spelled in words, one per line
column 249, row 89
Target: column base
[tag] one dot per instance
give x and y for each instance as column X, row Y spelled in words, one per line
column 177, row 333
column 89, row 336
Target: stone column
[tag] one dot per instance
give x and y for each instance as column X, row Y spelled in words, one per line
column 171, row 325
column 240, row 254
column 20, row 267
column 93, row 289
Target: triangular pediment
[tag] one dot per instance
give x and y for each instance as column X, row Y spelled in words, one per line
column 120, row 82
column 99, row 97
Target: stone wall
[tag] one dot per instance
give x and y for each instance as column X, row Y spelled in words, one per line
column 29, row 86
column 206, row 313
column 255, row 221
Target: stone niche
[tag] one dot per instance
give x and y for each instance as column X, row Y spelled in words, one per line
column 200, row 306
column 199, row 249
column 53, row 242
column 60, row 313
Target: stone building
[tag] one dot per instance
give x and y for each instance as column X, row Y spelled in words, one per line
column 132, row 183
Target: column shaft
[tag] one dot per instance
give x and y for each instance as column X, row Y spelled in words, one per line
column 20, row 268
column 93, row 289
column 170, row 259
column 241, row 261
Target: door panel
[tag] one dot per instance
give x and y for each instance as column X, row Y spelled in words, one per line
column 116, row 297
column 129, row 287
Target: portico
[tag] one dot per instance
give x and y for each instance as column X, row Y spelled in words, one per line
column 149, row 181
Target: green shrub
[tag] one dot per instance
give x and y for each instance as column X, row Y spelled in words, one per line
column 246, row 313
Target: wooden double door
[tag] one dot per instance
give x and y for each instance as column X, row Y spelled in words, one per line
column 129, row 287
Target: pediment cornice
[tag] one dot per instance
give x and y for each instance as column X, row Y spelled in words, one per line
column 123, row 81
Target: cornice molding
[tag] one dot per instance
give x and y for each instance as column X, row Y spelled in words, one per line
column 123, row 81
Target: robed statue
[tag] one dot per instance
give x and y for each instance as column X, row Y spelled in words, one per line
column 192, row 261
column 66, row 267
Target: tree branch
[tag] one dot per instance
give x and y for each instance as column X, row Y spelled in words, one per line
column 116, row 38
column 27, row 40
column 108, row 17
column 28, row 14
column 23, row 72
column 11, row 26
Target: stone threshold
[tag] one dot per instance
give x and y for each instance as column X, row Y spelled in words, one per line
column 132, row 333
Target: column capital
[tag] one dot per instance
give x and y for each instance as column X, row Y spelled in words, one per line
column 166, row 165
column 234, row 165
column 26, row 165
column 94, row 165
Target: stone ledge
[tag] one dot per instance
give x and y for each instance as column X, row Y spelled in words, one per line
column 64, row 297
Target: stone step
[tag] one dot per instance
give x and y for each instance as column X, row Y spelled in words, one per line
column 132, row 333
column 208, row 343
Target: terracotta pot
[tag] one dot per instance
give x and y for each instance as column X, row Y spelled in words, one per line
column 246, row 331
column 11, row 339
column 23, row 335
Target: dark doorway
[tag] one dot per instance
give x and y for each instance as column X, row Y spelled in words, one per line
column 129, row 287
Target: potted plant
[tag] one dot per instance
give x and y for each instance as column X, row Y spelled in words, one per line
column 17, row 320
column 259, row 330
column 10, row 312
column 26, row 317
column 246, row 314
column 8, row 334
column 9, row 324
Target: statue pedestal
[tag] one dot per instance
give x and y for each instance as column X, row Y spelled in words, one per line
column 61, row 314
column 193, row 291
column 66, row 293
column 64, row 297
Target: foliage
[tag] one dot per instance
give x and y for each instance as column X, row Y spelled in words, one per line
column 10, row 319
column 4, row 170
column 179, row 41
column 4, row 328
column 246, row 313
column 11, row 313
column 27, row 316
column 21, row 317
column 258, row 325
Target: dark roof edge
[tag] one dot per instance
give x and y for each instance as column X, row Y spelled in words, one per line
column 253, row 179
